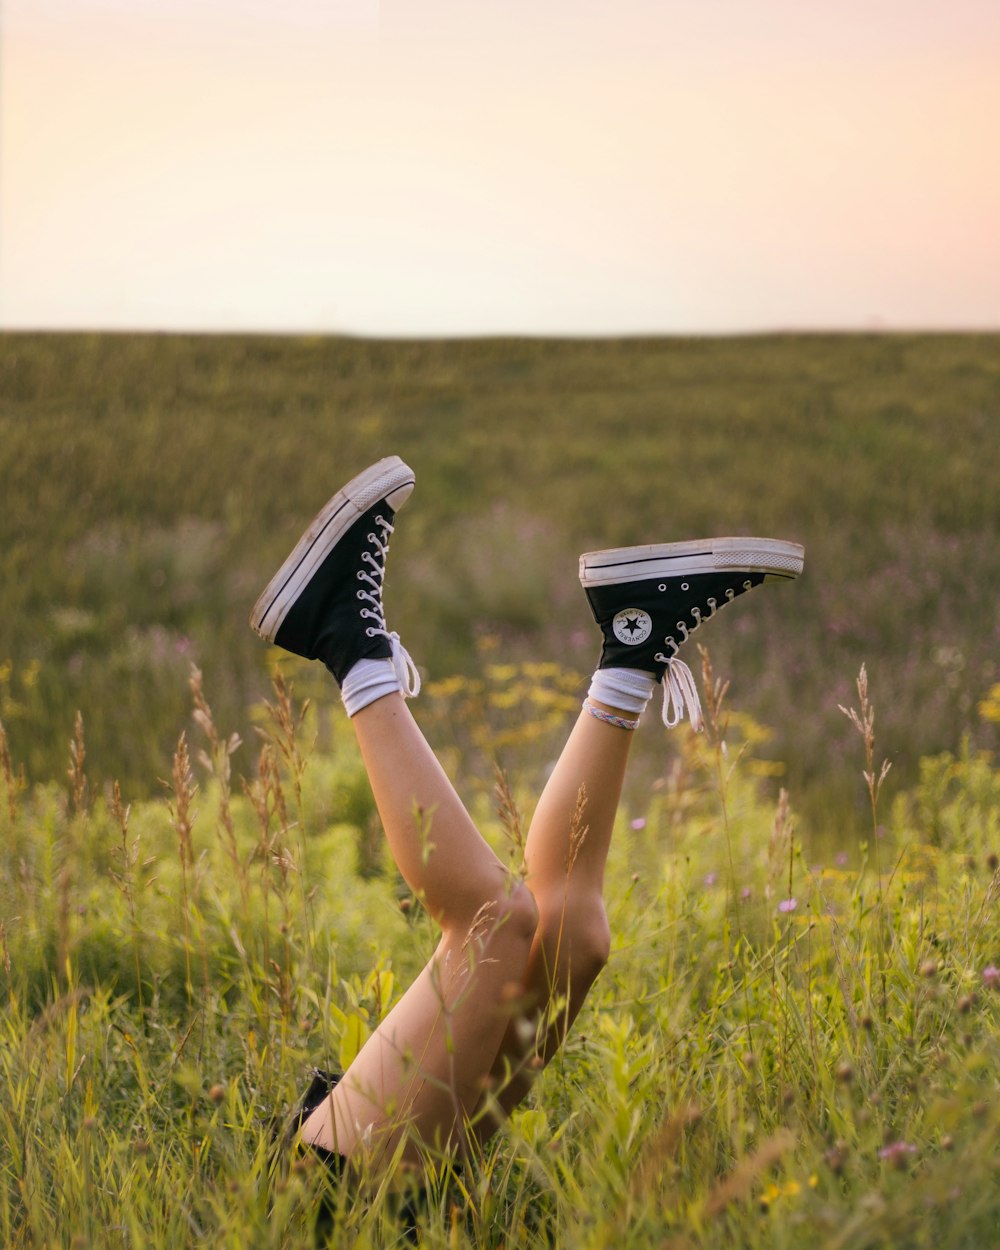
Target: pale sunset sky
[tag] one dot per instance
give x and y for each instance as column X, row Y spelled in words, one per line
column 454, row 167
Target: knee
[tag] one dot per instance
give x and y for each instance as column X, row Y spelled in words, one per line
column 511, row 914
column 579, row 936
column 519, row 912
column 590, row 948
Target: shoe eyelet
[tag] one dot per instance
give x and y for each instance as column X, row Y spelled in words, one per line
column 370, row 632
column 685, row 585
column 662, row 586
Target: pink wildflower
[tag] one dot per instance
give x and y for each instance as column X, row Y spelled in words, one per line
column 896, row 1153
column 991, row 977
column 788, row 904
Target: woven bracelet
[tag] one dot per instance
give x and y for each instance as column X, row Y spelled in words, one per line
column 619, row 721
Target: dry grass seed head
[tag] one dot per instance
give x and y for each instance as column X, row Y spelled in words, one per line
column 202, row 712
column 181, row 807
column 276, row 790
column 741, row 1180
column 268, row 799
column 509, row 814
column 715, row 696
column 577, row 829
column 481, row 921
column 659, row 1157
column 779, row 843
column 77, row 758
column 118, row 811
column 863, row 720
column 287, row 726
column 128, row 855
column 217, row 763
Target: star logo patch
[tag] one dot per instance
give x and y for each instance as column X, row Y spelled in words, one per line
column 632, row 626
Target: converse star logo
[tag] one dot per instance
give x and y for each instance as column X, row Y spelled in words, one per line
column 632, row 626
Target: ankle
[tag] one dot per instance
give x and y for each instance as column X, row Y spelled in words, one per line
column 366, row 681
column 621, row 691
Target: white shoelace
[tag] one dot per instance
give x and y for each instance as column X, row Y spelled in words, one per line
column 402, row 663
column 680, row 694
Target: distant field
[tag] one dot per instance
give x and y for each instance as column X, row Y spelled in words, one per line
column 149, row 485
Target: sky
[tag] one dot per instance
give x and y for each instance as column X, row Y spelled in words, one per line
column 465, row 167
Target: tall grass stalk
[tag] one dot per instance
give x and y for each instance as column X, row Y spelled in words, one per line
column 863, row 720
column 284, row 732
column 217, row 763
column 125, row 880
column 182, row 815
column 716, row 729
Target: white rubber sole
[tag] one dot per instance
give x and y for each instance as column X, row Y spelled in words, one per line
column 390, row 479
column 772, row 556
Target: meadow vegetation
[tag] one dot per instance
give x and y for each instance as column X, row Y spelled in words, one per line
column 782, row 1052
column 151, row 483
column 796, row 1041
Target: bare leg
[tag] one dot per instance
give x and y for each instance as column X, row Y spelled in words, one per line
column 421, row 1073
column 647, row 601
column 566, row 851
column 418, row 1078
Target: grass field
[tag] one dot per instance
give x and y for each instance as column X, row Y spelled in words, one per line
column 151, row 483
column 782, row 1052
column 795, row 1044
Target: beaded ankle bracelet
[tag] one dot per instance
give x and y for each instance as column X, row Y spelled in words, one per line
column 619, row 721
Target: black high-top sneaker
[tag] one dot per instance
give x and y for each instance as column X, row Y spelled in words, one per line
column 325, row 602
column 649, row 600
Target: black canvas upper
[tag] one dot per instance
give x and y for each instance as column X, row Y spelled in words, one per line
column 659, row 614
column 325, row 621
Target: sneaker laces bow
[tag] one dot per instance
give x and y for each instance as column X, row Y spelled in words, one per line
column 680, row 694
column 403, row 666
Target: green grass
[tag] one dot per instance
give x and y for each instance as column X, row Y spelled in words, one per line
column 743, row 1075
column 150, row 485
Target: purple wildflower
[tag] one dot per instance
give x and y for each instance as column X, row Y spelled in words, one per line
column 638, row 823
column 746, row 893
column 991, row 977
column 788, row 904
column 711, row 878
column 896, row 1152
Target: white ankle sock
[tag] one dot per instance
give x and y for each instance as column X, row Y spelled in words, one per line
column 367, row 681
column 628, row 689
